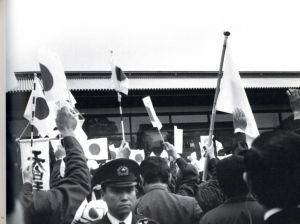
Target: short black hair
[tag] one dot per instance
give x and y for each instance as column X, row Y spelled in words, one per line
column 273, row 167
column 230, row 176
column 155, row 169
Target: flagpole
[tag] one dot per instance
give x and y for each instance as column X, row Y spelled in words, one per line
column 213, row 114
column 121, row 114
column 21, row 135
column 32, row 115
column 162, row 138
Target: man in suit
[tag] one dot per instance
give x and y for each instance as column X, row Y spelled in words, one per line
column 118, row 179
column 158, row 202
column 272, row 174
column 240, row 206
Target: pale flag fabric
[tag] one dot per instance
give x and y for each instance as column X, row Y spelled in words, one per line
column 79, row 133
column 151, row 112
column 96, row 149
column 137, row 155
column 113, row 151
column 119, row 80
column 232, row 95
column 44, row 119
column 92, row 164
column 72, row 99
column 53, row 76
column 152, row 154
column 164, row 154
column 38, row 157
column 178, row 139
column 83, row 213
column 56, row 144
column 197, row 163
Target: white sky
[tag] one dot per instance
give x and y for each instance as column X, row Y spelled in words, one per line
column 154, row 35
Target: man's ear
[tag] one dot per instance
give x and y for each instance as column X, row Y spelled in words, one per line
column 142, row 180
column 170, row 178
column 247, row 180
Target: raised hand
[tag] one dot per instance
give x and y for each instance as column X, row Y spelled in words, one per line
column 27, row 174
column 124, row 150
column 294, row 97
column 171, row 150
column 65, row 121
column 239, row 119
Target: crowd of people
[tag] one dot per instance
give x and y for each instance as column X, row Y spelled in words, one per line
column 260, row 184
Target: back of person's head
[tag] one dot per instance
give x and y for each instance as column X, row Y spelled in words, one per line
column 230, row 176
column 273, row 169
column 155, row 169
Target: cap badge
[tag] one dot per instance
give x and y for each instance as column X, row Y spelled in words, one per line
column 122, row 171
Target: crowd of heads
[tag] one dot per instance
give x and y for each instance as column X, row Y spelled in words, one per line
column 273, row 168
column 269, row 171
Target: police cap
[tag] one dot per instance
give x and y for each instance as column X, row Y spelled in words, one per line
column 117, row 173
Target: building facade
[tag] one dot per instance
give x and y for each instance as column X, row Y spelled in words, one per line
column 183, row 99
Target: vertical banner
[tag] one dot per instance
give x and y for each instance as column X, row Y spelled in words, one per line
column 39, row 158
column 96, row 149
column 178, row 139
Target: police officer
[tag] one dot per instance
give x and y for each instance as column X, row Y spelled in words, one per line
column 118, row 179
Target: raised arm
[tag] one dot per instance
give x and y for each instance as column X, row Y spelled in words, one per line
column 60, row 203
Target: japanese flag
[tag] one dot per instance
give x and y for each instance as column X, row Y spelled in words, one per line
column 44, row 115
column 118, row 79
column 53, row 76
column 232, row 95
column 96, row 149
column 137, row 155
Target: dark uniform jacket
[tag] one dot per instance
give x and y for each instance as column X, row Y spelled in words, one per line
column 165, row 207
column 58, row 205
column 136, row 219
column 187, row 180
column 239, row 210
column 290, row 124
column 207, row 194
column 287, row 216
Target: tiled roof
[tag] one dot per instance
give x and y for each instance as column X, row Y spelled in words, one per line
column 164, row 81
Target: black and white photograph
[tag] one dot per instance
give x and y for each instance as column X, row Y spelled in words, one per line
column 158, row 112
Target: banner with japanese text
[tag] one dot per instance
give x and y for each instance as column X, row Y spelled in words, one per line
column 38, row 156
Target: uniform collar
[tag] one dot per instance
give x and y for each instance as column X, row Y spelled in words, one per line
column 152, row 187
column 273, row 211
column 241, row 198
column 113, row 220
